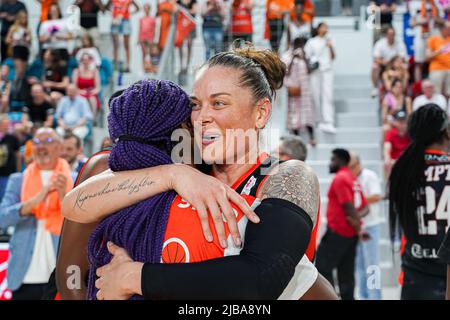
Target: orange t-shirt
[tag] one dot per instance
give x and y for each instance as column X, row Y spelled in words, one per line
column 184, row 244
column 305, row 17
column 45, row 6
column 442, row 61
column 275, row 8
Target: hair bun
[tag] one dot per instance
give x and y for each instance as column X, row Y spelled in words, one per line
column 274, row 69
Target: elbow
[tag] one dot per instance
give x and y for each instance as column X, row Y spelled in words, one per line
column 71, row 210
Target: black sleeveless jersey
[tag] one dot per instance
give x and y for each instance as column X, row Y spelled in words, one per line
column 433, row 217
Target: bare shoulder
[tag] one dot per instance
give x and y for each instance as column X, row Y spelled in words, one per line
column 296, row 182
column 95, row 165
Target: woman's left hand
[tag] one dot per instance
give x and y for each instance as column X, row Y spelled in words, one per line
column 121, row 278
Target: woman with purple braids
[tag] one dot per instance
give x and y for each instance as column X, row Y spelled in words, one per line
column 234, row 90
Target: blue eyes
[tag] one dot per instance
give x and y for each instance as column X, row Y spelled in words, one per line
column 196, row 106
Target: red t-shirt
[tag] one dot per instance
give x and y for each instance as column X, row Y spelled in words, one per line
column 399, row 143
column 344, row 188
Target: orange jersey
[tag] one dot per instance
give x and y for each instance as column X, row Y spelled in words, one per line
column 183, row 244
column 184, row 241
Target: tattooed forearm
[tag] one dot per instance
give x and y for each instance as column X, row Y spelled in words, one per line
column 127, row 186
column 295, row 182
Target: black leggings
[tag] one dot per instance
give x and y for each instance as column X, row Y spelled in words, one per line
column 29, row 292
column 421, row 286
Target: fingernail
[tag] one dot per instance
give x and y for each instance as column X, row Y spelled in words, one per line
column 256, row 218
column 224, row 243
column 209, row 238
column 237, row 241
column 109, row 244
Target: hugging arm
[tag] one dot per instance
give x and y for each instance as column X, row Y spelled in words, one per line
column 73, row 244
column 272, row 248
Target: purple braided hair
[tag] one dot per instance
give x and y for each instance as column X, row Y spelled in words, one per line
column 149, row 110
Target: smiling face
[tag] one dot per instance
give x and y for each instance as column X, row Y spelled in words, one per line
column 46, row 148
column 223, row 112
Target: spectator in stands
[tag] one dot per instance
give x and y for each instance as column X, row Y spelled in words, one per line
column 147, row 28
column 55, row 33
column 423, row 14
column 32, row 204
column 73, row 114
column 297, row 27
column 241, row 20
column 429, row 96
column 8, row 12
column 20, row 92
column 89, row 10
column 38, row 112
column 5, row 88
column 9, row 153
column 368, row 252
column 300, row 104
column 385, row 9
column 347, row 7
column 320, row 50
column 72, row 152
column 227, row 33
column 19, row 37
column 396, row 141
column 121, row 25
column 394, row 101
column 292, row 147
column 276, row 10
column 55, row 78
column 346, row 207
column 213, row 15
column 88, row 46
column 166, row 9
column 438, row 52
column 106, row 143
column 395, row 70
column 384, row 50
column 307, row 8
column 185, row 59
column 87, row 79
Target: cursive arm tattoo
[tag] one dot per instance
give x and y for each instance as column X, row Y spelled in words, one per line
column 294, row 181
column 127, row 186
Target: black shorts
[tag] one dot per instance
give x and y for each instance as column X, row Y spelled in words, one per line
column 421, row 286
column 21, row 53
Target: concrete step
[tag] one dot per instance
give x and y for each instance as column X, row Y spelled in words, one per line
column 356, row 105
column 322, row 151
column 321, row 168
column 367, row 119
column 353, row 80
column 344, row 92
column 353, row 135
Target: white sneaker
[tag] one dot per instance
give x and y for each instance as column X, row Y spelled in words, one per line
column 374, row 93
column 327, row 128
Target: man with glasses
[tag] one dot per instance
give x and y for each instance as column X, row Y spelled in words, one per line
column 32, row 205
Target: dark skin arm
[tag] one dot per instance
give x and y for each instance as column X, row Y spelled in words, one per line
column 448, row 283
column 77, row 233
column 353, row 216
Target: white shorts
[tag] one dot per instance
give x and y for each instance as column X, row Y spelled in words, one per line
column 304, row 277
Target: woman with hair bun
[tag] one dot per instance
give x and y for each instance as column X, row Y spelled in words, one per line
column 233, row 92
